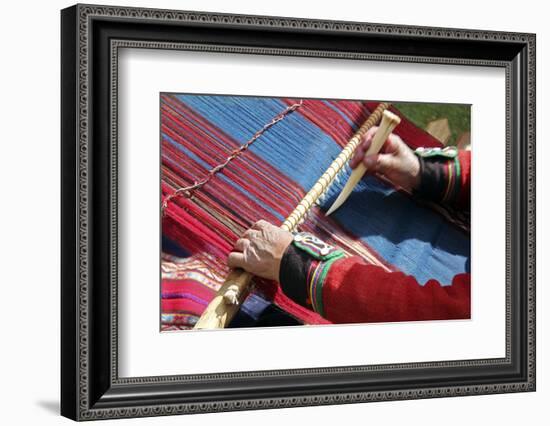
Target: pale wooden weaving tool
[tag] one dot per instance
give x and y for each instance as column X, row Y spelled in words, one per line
column 389, row 121
column 221, row 310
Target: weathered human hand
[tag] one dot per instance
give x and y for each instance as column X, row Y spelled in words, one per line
column 396, row 161
column 260, row 250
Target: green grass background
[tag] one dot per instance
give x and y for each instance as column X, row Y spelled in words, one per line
column 422, row 113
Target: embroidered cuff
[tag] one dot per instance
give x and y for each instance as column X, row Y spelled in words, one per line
column 439, row 174
column 317, row 273
column 315, row 247
column 304, row 267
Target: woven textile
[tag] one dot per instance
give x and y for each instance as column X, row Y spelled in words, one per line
column 379, row 223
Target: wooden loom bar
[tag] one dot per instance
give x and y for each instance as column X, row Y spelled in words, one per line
column 220, row 311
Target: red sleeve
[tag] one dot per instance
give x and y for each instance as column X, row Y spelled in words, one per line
column 350, row 291
column 465, row 161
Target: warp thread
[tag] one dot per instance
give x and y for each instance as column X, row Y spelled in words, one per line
column 188, row 191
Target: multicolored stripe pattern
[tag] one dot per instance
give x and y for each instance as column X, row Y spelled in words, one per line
column 378, row 223
column 317, row 273
column 453, row 180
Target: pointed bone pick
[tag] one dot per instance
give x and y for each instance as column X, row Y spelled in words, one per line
column 388, row 123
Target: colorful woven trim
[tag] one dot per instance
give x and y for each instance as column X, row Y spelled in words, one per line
column 453, row 180
column 317, row 273
column 447, row 152
column 315, row 247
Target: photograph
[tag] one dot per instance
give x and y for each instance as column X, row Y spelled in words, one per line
column 282, row 211
column 264, row 211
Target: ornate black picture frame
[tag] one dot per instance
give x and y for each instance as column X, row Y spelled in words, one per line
column 90, row 38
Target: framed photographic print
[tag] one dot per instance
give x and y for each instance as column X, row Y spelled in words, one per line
column 263, row 212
